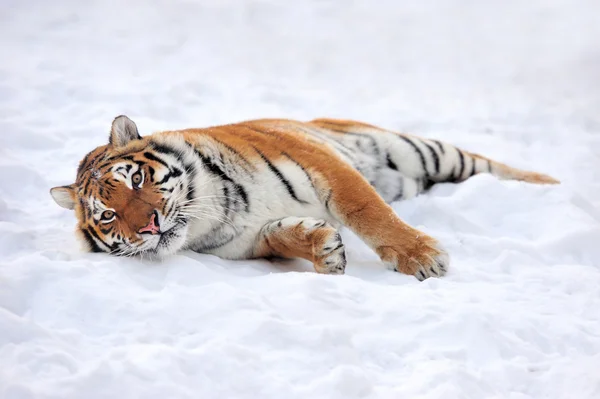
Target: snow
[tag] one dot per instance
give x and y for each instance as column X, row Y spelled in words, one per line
column 518, row 315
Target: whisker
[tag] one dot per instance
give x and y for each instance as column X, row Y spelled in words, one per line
column 204, row 211
column 208, row 216
column 212, row 197
column 202, row 217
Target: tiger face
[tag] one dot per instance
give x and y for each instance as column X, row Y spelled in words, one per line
column 130, row 195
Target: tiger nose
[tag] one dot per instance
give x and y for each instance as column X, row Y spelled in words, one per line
column 153, row 226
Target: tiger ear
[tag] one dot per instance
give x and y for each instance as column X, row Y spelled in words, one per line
column 123, row 131
column 64, row 196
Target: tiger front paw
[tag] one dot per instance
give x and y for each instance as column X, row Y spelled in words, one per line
column 330, row 254
column 423, row 259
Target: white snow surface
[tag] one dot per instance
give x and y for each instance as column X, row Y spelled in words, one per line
column 517, row 316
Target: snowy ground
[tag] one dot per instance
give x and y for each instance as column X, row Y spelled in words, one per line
column 518, row 316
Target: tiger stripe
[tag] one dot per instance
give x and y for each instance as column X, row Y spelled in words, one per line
column 277, row 172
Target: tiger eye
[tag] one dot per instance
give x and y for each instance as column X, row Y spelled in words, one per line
column 106, row 215
column 136, row 178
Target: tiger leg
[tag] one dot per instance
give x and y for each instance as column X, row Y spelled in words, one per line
column 307, row 238
column 440, row 162
column 353, row 201
column 424, row 160
column 432, row 161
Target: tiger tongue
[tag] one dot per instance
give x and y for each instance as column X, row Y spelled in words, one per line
column 151, row 228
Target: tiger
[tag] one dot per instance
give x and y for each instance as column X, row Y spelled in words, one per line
column 267, row 188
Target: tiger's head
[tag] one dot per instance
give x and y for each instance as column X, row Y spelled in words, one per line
column 130, row 195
